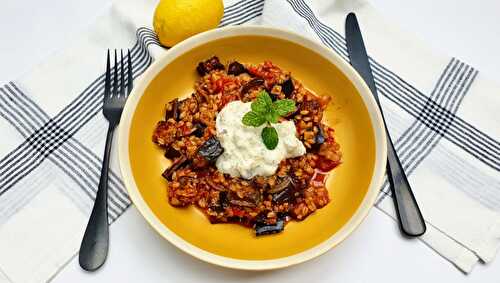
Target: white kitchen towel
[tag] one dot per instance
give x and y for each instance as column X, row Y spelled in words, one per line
column 441, row 115
column 440, row 111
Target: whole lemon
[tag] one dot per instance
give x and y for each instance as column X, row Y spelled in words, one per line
column 176, row 20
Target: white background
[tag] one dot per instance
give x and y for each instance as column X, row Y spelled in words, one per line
column 31, row 30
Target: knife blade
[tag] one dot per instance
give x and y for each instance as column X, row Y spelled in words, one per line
column 411, row 221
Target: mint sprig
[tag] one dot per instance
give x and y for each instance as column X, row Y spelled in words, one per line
column 264, row 110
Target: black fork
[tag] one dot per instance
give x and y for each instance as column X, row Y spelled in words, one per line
column 94, row 247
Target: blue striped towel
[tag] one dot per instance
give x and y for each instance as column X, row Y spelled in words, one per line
column 441, row 114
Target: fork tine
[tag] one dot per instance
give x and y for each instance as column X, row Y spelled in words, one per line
column 122, row 75
column 130, row 80
column 107, row 80
column 115, row 79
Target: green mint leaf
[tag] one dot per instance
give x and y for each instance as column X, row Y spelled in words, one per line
column 284, row 106
column 253, row 119
column 263, row 103
column 272, row 116
column 270, row 137
column 266, row 97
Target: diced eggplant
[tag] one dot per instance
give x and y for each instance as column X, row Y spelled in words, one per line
column 236, row 219
column 255, row 82
column 248, row 201
column 235, row 68
column 320, row 136
column 287, row 87
column 256, row 197
column 283, row 196
column 221, row 204
column 223, row 200
column 284, row 190
column 284, row 183
column 172, row 153
column 299, row 184
column 178, row 163
column 211, row 149
column 209, row 65
column 201, row 69
column 266, row 229
column 260, row 219
column 242, row 203
column 214, row 219
column 283, row 215
column 173, row 111
column 199, row 130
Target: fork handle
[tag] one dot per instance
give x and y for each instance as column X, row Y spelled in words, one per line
column 411, row 221
column 94, row 246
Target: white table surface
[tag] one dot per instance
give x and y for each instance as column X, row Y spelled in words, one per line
column 31, row 30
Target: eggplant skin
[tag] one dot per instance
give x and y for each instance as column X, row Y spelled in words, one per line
column 266, row 229
column 320, row 136
column 199, row 130
column 209, row 65
column 287, row 87
column 174, row 110
column 283, row 196
column 211, row 149
column 236, row 68
column 178, row 163
column 172, row 153
column 255, row 82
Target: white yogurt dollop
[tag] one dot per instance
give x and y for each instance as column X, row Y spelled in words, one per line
column 245, row 155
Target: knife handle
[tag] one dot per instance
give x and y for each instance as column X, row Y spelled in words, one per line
column 411, row 222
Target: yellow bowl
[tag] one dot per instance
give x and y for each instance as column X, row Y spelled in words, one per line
column 353, row 113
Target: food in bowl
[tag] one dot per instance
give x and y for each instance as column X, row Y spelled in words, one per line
column 248, row 146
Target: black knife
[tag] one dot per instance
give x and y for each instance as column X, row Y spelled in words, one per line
column 411, row 222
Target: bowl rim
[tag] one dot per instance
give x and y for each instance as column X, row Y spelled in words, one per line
column 200, row 39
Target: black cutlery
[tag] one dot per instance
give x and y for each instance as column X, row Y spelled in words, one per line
column 94, row 246
column 411, row 222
